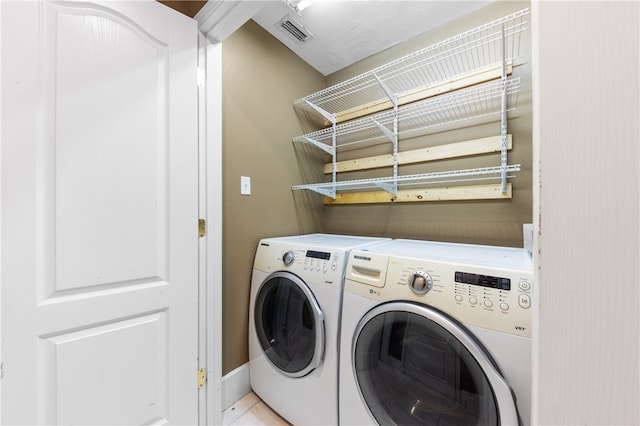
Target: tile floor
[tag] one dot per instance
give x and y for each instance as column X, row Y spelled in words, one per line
column 250, row 410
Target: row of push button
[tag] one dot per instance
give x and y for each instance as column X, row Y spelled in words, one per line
column 487, row 302
column 318, row 267
column 524, row 300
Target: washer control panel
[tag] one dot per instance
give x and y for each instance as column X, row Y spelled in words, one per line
column 320, row 261
column 495, row 297
column 312, row 265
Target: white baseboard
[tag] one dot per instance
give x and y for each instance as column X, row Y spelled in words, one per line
column 235, row 385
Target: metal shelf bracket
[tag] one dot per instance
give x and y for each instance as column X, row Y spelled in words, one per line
column 328, row 190
column 388, row 133
column 328, row 116
column 331, row 193
column 326, row 148
column 390, row 187
column 392, row 96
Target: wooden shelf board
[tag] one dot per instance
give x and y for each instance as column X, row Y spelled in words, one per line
column 452, row 193
column 419, row 94
column 440, row 152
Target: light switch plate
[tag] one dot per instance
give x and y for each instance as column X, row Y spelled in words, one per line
column 245, row 185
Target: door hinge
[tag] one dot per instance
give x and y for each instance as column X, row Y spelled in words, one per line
column 201, row 77
column 202, row 228
column 202, row 378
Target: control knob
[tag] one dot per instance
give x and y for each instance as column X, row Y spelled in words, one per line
column 420, row 282
column 288, row 258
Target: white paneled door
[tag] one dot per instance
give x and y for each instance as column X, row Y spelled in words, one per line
column 99, row 213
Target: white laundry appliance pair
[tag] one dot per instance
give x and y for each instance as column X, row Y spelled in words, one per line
column 423, row 333
column 294, row 316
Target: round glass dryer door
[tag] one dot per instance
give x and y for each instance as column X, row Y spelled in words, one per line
column 289, row 324
column 416, row 366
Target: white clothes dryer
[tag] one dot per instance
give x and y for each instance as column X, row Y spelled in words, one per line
column 294, row 314
column 436, row 334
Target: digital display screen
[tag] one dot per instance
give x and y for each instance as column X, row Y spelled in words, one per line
column 319, row 254
column 483, row 280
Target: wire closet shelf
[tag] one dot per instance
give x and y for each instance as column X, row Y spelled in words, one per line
column 472, row 51
column 404, row 98
column 419, row 118
column 478, row 174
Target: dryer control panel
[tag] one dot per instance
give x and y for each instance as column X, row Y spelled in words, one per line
column 496, row 297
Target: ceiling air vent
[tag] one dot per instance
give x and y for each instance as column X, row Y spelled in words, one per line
column 295, row 30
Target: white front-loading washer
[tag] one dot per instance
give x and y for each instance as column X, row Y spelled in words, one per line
column 294, row 314
column 436, row 334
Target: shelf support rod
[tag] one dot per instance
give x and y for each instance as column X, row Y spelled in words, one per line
column 332, row 119
column 334, row 162
column 503, row 116
column 394, row 188
column 392, row 135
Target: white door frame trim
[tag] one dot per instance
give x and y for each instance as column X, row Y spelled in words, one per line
column 216, row 21
column 212, row 118
column 1, row 210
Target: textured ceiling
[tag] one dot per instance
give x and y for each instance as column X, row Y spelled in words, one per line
column 346, row 31
column 342, row 32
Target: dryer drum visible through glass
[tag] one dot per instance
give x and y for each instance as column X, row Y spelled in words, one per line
column 289, row 324
column 414, row 365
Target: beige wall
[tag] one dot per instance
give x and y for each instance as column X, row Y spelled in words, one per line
column 481, row 222
column 261, row 79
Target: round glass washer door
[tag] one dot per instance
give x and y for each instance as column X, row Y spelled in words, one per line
column 289, row 324
column 416, row 366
